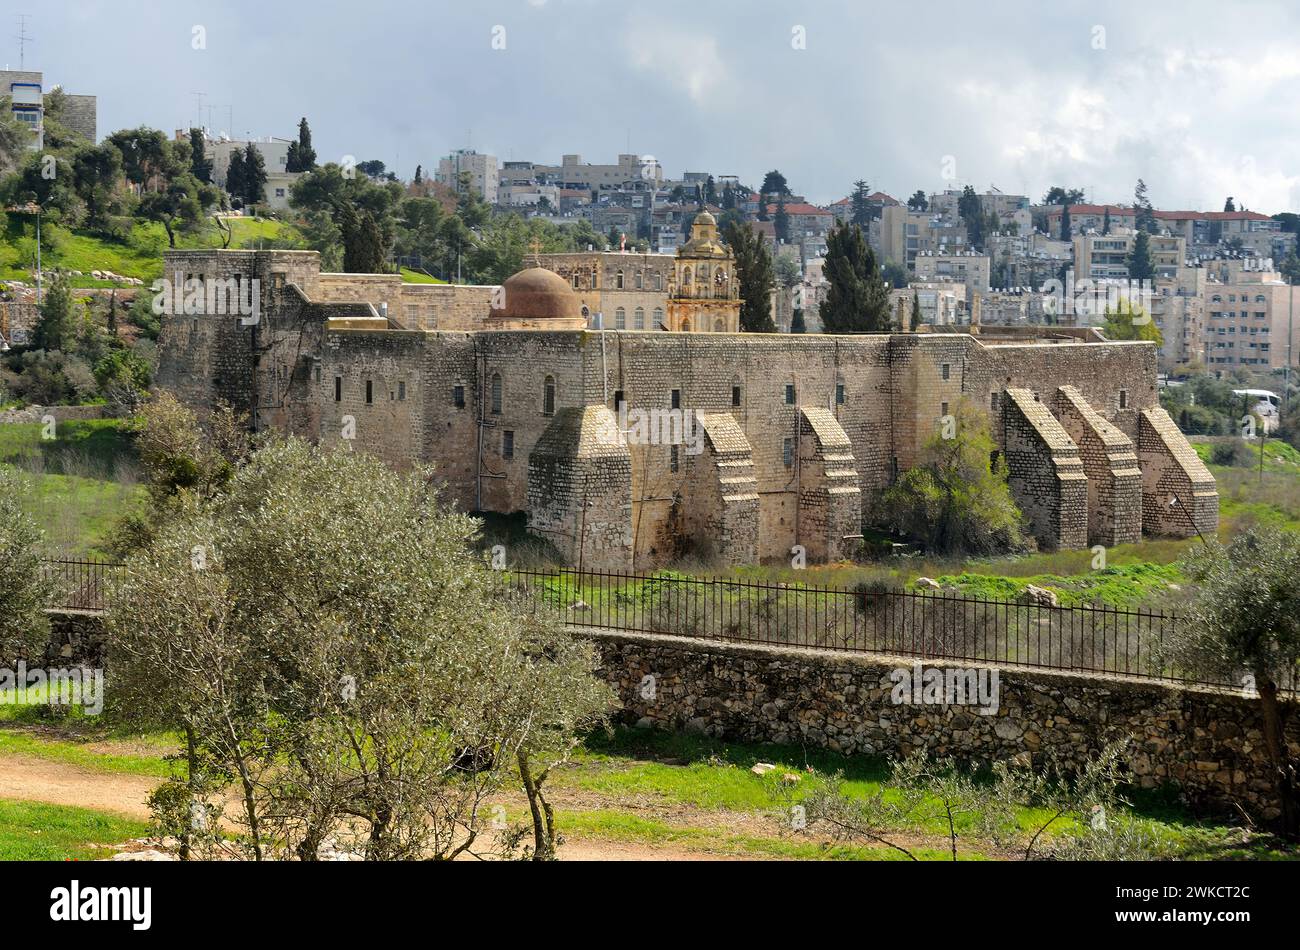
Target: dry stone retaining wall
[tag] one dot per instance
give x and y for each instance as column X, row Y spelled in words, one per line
column 1208, row 743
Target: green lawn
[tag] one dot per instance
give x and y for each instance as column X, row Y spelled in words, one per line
column 30, row 831
column 418, row 277
column 82, row 481
column 139, row 256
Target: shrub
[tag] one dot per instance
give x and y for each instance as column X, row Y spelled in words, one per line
column 956, row 500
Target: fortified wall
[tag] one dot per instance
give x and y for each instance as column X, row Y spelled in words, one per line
column 630, row 448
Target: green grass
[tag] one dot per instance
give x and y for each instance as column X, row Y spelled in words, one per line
column 139, row 256
column 712, row 775
column 102, row 443
column 1128, row 585
column 418, row 277
column 637, row 829
column 30, row 831
column 82, row 481
column 16, row 739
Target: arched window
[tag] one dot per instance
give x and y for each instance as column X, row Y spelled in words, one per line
column 496, row 394
column 639, row 280
column 719, row 326
column 659, row 281
column 686, row 276
column 640, row 318
column 659, row 317
column 618, row 280
column 548, row 396
column 686, row 326
column 620, row 319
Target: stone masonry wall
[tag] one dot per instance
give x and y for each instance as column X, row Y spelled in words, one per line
column 1045, row 473
column 475, row 403
column 1208, row 743
column 1111, row 464
column 1178, row 492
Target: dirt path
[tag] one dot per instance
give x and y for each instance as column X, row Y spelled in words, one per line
column 28, row 778
column 32, row 779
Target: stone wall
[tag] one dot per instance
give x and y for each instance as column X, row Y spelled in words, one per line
column 475, row 405
column 1045, row 472
column 1178, row 492
column 1111, row 464
column 1208, row 743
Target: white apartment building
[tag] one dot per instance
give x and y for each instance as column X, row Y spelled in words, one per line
column 482, row 169
column 1100, row 256
column 968, row 268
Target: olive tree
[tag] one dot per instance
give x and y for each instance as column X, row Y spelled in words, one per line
column 23, row 627
column 1244, row 625
column 378, row 686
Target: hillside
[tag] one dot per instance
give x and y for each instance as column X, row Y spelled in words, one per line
column 139, row 256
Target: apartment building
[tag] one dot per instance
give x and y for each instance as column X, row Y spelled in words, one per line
column 1018, row 306
column 968, row 268
column 1249, row 319
column 1028, row 258
column 1178, row 309
column 904, row 234
column 574, row 173
column 27, row 99
column 991, row 202
column 482, row 169
column 1085, row 218
column 942, row 303
column 1106, row 256
column 877, row 202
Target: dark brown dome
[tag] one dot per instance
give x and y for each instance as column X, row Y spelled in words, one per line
column 538, row 293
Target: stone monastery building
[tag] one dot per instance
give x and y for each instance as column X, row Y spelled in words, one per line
column 759, row 442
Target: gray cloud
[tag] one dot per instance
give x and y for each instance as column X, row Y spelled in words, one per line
column 1196, row 99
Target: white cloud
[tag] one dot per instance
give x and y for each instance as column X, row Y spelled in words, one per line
column 687, row 60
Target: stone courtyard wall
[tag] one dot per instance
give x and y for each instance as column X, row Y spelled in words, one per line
column 1208, row 743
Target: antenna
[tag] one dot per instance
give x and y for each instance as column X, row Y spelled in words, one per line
column 198, row 102
column 23, row 39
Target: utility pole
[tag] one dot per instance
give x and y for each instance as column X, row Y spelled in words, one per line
column 1290, row 324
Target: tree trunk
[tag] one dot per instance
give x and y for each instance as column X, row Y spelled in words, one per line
column 191, row 768
column 543, row 816
column 1284, row 777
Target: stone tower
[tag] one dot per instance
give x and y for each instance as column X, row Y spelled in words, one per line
column 705, row 294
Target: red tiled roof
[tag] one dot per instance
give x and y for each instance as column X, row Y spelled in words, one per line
column 1097, row 209
column 798, row 208
column 1234, row 216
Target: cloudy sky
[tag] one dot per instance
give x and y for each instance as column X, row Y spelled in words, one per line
column 1201, row 99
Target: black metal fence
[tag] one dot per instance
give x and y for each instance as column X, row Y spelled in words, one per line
column 78, row 584
column 929, row 625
